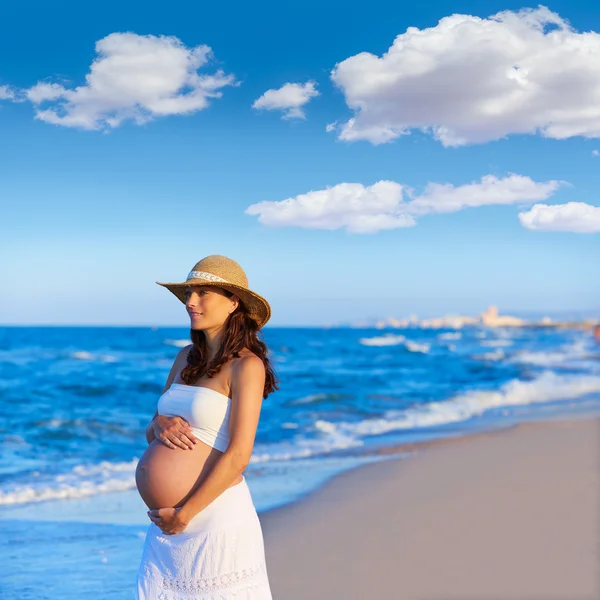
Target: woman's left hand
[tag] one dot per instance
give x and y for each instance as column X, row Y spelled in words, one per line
column 170, row 520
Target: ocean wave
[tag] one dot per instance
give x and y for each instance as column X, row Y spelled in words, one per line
column 82, row 481
column 577, row 350
column 548, row 387
column 85, row 355
column 345, row 435
column 416, row 347
column 326, row 436
column 388, row 339
column 177, row 343
column 78, row 427
column 496, row 343
column 496, row 355
column 309, row 399
column 456, row 335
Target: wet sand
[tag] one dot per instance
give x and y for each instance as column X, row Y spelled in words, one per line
column 513, row 514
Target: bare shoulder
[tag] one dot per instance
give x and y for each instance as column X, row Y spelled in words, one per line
column 248, row 357
column 183, row 353
column 181, row 358
column 178, row 364
column 248, row 364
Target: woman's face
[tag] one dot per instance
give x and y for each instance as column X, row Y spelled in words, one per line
column 208, row 306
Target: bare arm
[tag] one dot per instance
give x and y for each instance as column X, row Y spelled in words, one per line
column 150, row 429
column 248, row 382
column 172, row 431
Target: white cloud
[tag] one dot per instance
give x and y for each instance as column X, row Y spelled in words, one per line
column 6, row 93
column 290, row 98
column 9, row 93
column 368, row 209
column 595, row 153
column 137, row 77
column 576, row 217
column 359, row 208
column 471, row 80
column 445, row 198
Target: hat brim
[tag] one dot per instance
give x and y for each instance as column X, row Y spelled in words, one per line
column 257, row 306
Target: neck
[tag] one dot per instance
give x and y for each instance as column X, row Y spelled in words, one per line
column 213, row 342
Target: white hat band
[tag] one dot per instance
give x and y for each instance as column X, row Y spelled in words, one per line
column 205, row 275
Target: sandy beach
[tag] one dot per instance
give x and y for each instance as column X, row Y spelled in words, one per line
column 513, row 514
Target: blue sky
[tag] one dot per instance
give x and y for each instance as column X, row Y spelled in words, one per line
column 93, row 215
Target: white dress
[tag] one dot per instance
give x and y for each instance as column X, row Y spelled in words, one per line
column 220, row 555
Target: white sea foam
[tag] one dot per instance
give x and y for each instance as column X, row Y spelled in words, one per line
column 327, row 436
column 548, row 387
column 496, row 355
column 577, row 350
column 177, row 343
column 82, row 355
column 453, row 335
column 82, row 481
column 505, row 332
column 85, row 355
column 496, row 343
column 309, row 399
column 108, row 358
column 389, row 339
column 416, row 347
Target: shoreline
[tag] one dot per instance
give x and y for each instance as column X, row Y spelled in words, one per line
column 126, row 507
column 502, row 514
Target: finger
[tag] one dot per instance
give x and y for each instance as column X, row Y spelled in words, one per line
column 190, row 435
column 175, row 440
column 170, row 441
column 165, row 440
column 188, row 440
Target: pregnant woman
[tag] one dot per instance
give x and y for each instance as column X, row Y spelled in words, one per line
column 205, row 540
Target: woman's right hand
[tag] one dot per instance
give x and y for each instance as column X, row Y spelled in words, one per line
column 173, row 432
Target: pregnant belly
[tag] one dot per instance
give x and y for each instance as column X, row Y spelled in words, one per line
column 166, row 476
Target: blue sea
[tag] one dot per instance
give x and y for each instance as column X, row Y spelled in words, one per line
column 75, row 402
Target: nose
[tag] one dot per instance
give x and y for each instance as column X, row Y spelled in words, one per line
column 191, row 300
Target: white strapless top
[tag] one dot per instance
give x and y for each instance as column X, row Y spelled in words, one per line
column 207, row 411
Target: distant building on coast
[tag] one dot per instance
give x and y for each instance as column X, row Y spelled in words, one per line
column 491, row 318
column 488, row 318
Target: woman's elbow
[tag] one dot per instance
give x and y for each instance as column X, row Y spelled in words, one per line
column 239, row 458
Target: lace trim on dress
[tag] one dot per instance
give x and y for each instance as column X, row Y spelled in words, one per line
column 179, row 587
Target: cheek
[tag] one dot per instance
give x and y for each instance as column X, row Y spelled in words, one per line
column 212, row 305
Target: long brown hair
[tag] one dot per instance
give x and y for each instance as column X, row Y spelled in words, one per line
column 241, row 331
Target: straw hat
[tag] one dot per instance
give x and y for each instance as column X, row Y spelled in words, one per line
column 223, row 272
